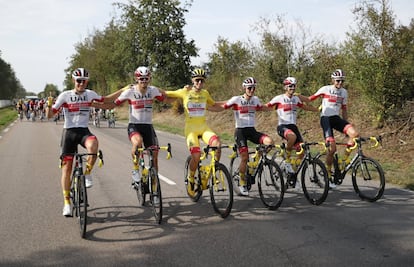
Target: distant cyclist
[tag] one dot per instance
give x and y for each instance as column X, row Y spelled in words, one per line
column 196, row 101
column 76, row 104
column 20, row 108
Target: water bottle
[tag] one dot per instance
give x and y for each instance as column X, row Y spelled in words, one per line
column 342, row 162
column 346, row 160
column 144, row 176
column 296, row 164
column 204, row 178
column 135, row 176
column 288, row 167
column 250, row 166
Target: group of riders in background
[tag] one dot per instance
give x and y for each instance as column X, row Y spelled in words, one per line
column 32, row 109
column 35, row 109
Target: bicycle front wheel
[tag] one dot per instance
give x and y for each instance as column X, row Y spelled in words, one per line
column 140, row 190
column 368, row 179
column 234, row 172
column 155, row 195
column 315, row 181
column 221, row 191
column 82, row 201
column 271, row 185
column 194, row 191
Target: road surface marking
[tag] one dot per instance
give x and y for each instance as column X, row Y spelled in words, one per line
column 165, row 179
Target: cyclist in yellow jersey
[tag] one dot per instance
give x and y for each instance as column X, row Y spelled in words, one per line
column 196, row 101
column 50, row 99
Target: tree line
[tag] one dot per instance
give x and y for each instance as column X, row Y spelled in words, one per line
column 377, row 55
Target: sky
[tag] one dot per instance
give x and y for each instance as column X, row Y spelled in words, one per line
column 37, row 37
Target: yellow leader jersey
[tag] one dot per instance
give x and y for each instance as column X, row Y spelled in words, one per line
column 195, row 104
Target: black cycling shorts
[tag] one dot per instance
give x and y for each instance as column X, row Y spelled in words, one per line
column 332, row 122
column 146, row 131
column 283, row 128
column 241, row 135
column 73, row 137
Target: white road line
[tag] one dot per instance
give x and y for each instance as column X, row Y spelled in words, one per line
column 165, row 179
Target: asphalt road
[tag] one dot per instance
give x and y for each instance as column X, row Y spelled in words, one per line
column 343, row 231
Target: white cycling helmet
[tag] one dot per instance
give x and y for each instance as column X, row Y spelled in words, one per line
column 249, row 82
column 289, row 81
column 338, row 74
column 80, row 73
column 142, row 72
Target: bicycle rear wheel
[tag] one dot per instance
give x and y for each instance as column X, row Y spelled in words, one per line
column 195, row 193
column 271, row 185
column 155, row 195
column 82, row 200
column 221, row 190
column 368, row 179
column 315, row 181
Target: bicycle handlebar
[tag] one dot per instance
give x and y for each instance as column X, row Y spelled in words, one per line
column 168, row 149
column 153, row 148
column 99, row 155
column 209, row 148
column 259, row 148
column 377, row 140
column 304, row 145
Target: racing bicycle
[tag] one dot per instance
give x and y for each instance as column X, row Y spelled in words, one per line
column 150, row 181
column 270, row 178
column 213, row 176
column 313, row 174
column 78, row 192
column 368, row 179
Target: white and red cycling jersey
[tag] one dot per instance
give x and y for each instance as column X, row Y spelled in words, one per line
column 244, row 110
column 76, row 107
column 286, row 108
column 333, row 99
column 140, row 105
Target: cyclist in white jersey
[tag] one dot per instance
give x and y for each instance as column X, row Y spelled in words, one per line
column 140, row 97
column 334, row 99
column 286, row 106
column 76, row 104
column 245, row 107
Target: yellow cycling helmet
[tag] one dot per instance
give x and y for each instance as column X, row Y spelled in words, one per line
column 198, row 73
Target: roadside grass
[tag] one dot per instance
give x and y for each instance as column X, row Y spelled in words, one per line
column 7, row 116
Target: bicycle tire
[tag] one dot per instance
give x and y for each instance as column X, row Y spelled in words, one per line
column 74, row 196
column 271, row 185
column 234, row 172
column 221, row 190
column 140, row 190
column 315, row 181
column 196, row 194
column 155, row 191
column 368, row 179
column 82, row 200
